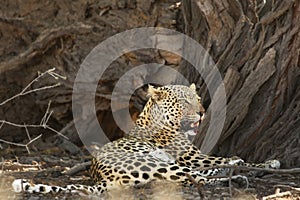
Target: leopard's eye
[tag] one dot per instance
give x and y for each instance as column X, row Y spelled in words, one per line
column 199, row 99
column 187, row 101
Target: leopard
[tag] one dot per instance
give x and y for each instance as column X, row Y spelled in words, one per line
column 155, row 149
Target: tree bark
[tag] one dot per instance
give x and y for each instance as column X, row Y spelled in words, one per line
column 255, row 46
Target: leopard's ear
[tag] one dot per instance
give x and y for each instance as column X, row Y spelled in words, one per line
column 155, row 93
column 193, row 86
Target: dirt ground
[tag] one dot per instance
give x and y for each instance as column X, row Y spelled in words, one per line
column 49, row 168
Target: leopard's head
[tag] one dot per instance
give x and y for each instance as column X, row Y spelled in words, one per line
column 173, row 106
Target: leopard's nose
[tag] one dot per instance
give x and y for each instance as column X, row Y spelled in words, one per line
column 201, row 114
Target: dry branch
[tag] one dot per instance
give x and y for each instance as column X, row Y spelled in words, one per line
column 46, row 117
column 198, row 185
column 78, row 168
column 24, row 92
column 246, row 168
column 288, row 187
column 44, row 125
column 278, row 195
column 22, row 145
column 46, row 40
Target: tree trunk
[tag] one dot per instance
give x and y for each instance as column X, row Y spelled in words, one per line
column 255, row 46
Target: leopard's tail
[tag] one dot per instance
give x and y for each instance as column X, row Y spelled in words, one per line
column 23, row 185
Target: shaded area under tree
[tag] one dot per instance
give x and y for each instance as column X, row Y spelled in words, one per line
column 255, row 46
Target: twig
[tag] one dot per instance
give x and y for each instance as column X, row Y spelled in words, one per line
column 47, row 115
column 41, row 88
column 1, row 124
column 230, row 181
column 34, row 139
column 288, row 186
column 55, row 131
column 24, row 92
column 278, row 195
column 279, row 171
column 16, row 166
column 45, row 126
column 199, row 186
column 28, row 135
column 22, row 145
column 78, row 168
column 56, row 75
